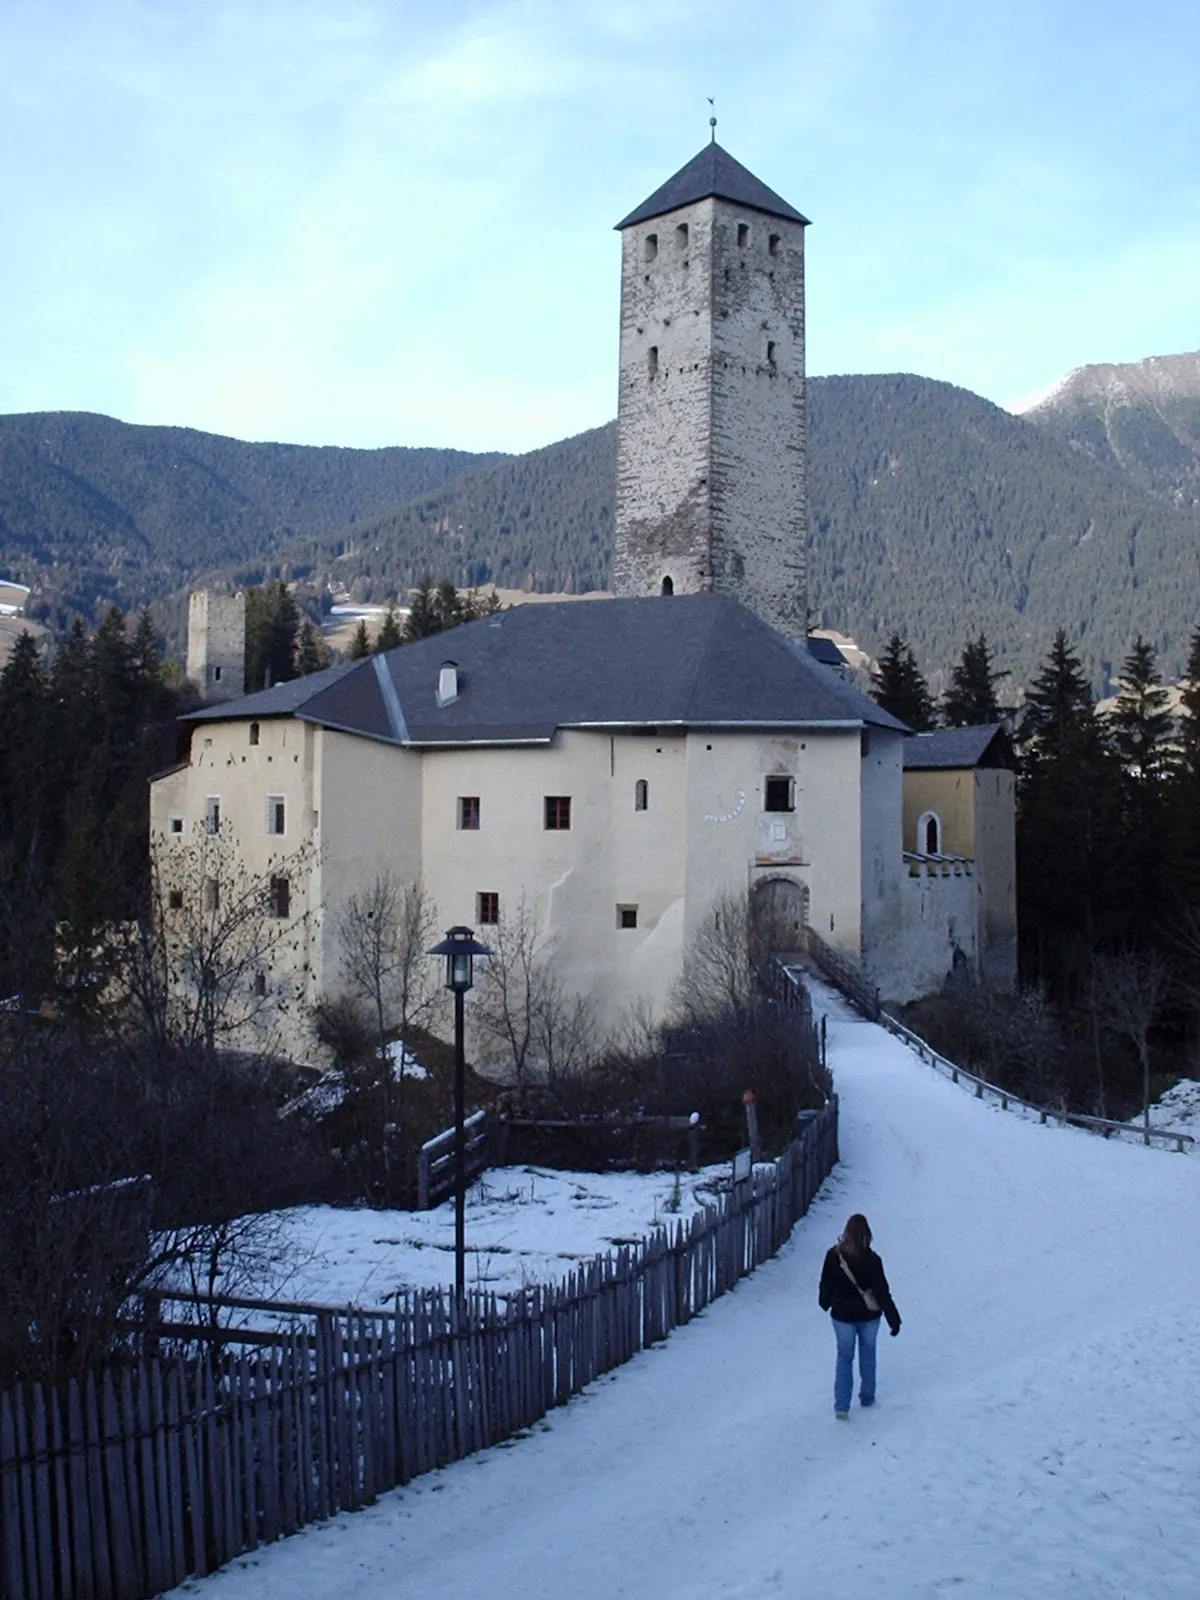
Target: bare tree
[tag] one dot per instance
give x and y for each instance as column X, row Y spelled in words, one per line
column 130, row 1170
column 384, row 933
column 528, row 1021
column 720, row 967
column 218, row 960
column 1128, row 992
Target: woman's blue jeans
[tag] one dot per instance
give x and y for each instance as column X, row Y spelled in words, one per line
column 865, row 1335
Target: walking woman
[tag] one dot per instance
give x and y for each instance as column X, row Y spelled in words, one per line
column 855, row 1292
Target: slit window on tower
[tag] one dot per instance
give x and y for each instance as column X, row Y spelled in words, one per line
column 743, row 234
column 773, row 244
column 681, row 235
column 771, row 354
column 651, row 246
column 652, row 361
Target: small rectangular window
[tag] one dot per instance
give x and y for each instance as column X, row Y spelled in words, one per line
column 468, row 811
column 681, row 235
column 276, row 815
column 212, row 814
column 773, row 244
column 216, row 674
column 558, row 811
column 211, row 899
column 175, row 899
column 780, row 794
column 771, row 354
column 641, row 795
column 280, row 897
column 652, row 361
column 627, row 916
column 176, row 824
column 487, row 907
column 743, row 234
column 651, row 246
column 260, row 984
column 254, row 733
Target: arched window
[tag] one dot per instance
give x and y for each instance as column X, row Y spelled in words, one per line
column 668, row 586
column 929, row 834
column 641, row 795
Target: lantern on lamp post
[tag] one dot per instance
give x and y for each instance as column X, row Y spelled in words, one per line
column 459, row 948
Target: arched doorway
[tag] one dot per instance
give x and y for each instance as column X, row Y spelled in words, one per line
column 779, row 915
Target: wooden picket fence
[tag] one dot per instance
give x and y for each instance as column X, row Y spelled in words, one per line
column 123, row 1484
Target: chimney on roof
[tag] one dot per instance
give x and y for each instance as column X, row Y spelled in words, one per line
column 447, row 690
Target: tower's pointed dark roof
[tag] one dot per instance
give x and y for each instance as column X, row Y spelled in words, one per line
column 712, row 172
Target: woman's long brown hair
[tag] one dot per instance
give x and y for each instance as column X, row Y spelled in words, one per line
column 856, row 1235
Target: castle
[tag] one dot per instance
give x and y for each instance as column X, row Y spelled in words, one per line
column 615, row 768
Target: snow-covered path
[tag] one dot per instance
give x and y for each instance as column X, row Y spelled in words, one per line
column 1037, row 1431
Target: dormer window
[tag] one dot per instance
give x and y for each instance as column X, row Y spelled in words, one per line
column 447, row 690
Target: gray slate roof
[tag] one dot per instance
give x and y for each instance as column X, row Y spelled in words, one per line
column 826, row 652
column 956, row 747
column 712, row 172
column 690, row 661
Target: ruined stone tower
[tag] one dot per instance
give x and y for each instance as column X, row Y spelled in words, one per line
column 711, row 417
column 216, row 647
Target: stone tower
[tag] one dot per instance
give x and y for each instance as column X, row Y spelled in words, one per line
column 711, row 417
column 216, row 647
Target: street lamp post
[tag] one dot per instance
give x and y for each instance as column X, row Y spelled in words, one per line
column 460, row 949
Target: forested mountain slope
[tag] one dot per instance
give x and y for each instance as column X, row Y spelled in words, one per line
column 1140, row 416
column 936, row 513
column 92, row 509
column 932, row 511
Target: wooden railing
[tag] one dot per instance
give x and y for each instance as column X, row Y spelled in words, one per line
column 435, row 1160
column 124, row 1484
column 984, row 1089
column 845, row 973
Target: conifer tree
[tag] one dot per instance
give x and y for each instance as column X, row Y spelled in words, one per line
column 1140, row 723
column 272, row 622
column 900, row 687
column 390, row 633
column 311, row 654
column 424, row 614
column 1067, row 828
column 1140, row 730
column 360, row 643
column 1185, row 787
column 971, row 698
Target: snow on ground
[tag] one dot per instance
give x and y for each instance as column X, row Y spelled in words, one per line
column 523, row 1225
column 1035, row 1433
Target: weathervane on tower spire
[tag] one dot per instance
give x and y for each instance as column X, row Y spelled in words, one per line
column 712, row 121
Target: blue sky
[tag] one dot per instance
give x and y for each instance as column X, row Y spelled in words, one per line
column 382, row 222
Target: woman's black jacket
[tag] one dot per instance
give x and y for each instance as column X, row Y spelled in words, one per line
column 838, row 1295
